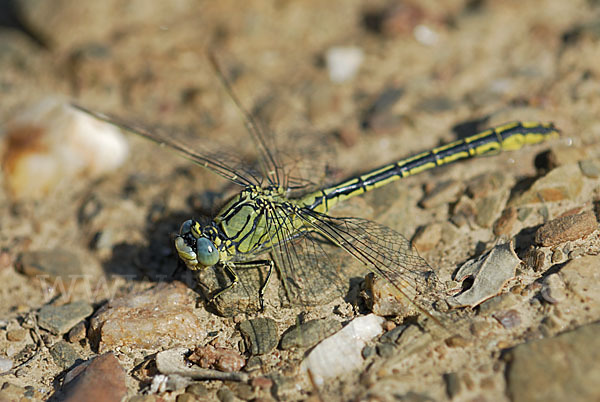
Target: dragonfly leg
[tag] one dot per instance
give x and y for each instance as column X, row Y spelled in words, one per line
column 229, row 270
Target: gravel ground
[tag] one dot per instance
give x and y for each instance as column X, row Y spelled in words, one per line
column 89, row 302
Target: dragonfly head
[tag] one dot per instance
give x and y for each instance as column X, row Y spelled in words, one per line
column 195, row 245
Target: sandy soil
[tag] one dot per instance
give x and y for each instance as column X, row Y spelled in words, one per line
column 455, row 67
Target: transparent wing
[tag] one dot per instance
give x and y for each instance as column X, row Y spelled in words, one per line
column 311, row 272
column 270, row 165
column 385, row 252
column 225, row 165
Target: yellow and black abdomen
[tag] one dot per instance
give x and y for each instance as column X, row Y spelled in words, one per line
column 508, row 137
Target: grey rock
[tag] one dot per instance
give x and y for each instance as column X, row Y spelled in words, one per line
column 590, row 168
column 564, row 368
column 309, row 333
column 50, row 264
column 63, row 354
column 5, row 364
column 60, row 319
column 444, row 193
column 453, row 386
column 260, row 335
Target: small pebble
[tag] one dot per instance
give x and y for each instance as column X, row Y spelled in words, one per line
column 489, row 272
column 488, row 209
column 562, row 183
column 224, row 394
column 509, row 319
column 52, row 143
column 566, row 228
column 486, row 184
column 343, row 62
column 222, row 359
column 260, row 335
column 50, row 264
column 428, row 237
column 504, row 225
column 535, row 259
column 197, row 389
column 457, row 341
column 60, row 319
column 77, row 333
column 553, row 289
column 309, row 333
column 444, row 193
column 368, row 351
column 563, row 367
column 185, row 397
column 16, row 335
column 393, row 334
column 590, row 168
column 453, row 385
column 385, row 350
column 262, row 382
column 5, row 364
column 63, row 354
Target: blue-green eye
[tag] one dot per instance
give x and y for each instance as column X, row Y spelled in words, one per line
column 206, row 252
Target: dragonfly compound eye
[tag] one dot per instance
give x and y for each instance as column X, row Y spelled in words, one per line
column 206, row 252
column 186, row 227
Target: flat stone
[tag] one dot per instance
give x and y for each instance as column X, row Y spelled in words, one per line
column 566, row 228
column 60, row 319
column 428, row 237
column 553, row 289
column 63, row 354
column 197, row 389
column 488, row 209
column 5, row 364
column 505, row 223
column 260, row 335
column 309, row 333
column 464, row 211
column 185, row 397
column 103, row 380
column 582, row 277
column 486, row 184
column 563, row 368
column 590, row 168
column 444, row 193
column 77, row 333
column 16, row 335
column 159, row 317
column 563, row 183
column 490, row 273
column 51, row 264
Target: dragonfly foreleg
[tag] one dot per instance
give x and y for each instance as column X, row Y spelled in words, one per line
column 230, row 271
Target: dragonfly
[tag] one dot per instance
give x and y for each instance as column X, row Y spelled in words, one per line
column 269, row 225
